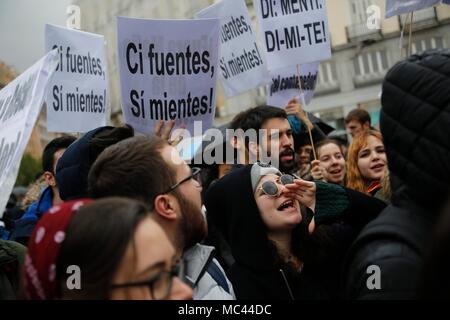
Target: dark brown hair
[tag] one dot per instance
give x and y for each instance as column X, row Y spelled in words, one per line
column 96, row 241
column 132, row 168
column 360, row 115
column 322, row 143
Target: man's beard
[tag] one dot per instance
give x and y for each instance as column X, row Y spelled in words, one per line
column 192, row 227
column 287, row 166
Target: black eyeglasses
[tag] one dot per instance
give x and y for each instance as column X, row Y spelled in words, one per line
column 271, row 189
column 159, row 285
column 194, row 175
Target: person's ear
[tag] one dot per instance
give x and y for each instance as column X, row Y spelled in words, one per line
column 366, row 125
column 50, row 178
column 235, row 143
column 253, row 148
column 166, row 207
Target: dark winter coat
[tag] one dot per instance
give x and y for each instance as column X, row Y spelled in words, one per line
column 257, row 272
column 415, row 122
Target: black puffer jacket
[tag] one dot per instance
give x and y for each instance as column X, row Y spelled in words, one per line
column 415, row 123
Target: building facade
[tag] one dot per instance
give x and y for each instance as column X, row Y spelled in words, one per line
column 350, row 79
column 361, row 56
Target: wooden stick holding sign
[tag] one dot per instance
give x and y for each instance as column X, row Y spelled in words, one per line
column 306, row 120
column 410, row 35
column 402, row 32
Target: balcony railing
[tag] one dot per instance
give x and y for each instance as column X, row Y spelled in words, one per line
column 327, row 87
column 359, row 32
column 369, row 78
column 422, row 19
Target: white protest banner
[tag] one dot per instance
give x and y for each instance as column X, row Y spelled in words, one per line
column 78, row 91
column 168, row 71
column 398, row 7
column 242, row 67
column 293, row 31
column 20, row 105
column 285, row 84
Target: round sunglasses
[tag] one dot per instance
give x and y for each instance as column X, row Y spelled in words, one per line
column 271, row 188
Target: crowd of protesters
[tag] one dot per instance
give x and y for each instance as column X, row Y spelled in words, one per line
column 140, row 223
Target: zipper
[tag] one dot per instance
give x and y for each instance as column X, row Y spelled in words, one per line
column 287, row 284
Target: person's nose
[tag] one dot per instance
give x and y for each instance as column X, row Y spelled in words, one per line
column 180, row 290
column 334, row 160
column 375, row 155
column 282, row 189
column 285, row 141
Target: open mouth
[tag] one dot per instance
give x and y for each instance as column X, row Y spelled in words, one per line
column 287, row 155
column 288, row 204
column 336, row 171
column 378, row 166
column 287, row 158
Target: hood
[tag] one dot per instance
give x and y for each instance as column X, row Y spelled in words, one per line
column 415, row 122
column 196, row 258
column 73, row 167
column 232, row 209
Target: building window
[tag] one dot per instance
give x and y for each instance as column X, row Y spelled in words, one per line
column 426, row 44
column 358, row 10
column 333, row 117
column 327, row 73
column 371, row 62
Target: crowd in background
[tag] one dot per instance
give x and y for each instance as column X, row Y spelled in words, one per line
column 140, row 223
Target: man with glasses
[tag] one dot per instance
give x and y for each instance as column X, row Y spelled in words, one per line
column 150, row 170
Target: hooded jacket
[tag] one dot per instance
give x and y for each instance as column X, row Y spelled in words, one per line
column 255, row 274
column 73, row 168
column 198, row 260
column 24, row 226
column 415, row 122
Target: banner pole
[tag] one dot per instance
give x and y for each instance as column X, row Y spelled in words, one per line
column 308, row 125
column 410, row 35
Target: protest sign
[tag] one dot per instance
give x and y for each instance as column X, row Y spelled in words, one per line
column 20, row 105
column 241, row 63
column 398, row 7
column 168, row 71
column 293, row 31
column 77, row 96
column 285, row 84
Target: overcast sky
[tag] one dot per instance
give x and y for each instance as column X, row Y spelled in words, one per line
column 22, row 29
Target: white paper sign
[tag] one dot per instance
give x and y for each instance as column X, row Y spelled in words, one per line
column 285, row 84
column 168, row 71
column 20, row 105
column 397, row 7
column 77, row 96
column 293, row 31
column 241, row 63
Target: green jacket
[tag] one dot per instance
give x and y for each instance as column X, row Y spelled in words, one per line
column 12, row 255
